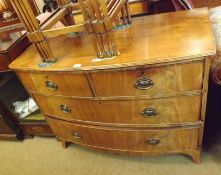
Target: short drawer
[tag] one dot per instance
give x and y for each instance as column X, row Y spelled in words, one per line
column 56, row 84
column 150, row 81
column 159, row 140
column 154, row 111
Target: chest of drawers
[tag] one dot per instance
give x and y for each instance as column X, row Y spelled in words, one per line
column 150, row 100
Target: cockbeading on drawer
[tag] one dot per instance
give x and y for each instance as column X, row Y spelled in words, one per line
column 149, row 81
column 134, row 140
column 163, row 111
column 56, row 83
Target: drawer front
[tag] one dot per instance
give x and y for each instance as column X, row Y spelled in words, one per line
column 152, row 81
column 36, row 129
column 56, row 84
column 155, row 111
column 128, row 139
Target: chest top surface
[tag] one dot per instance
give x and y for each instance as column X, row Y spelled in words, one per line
column 149, row 40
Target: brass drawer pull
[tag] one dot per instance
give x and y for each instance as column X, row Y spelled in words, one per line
column 51, row 85
column 153, row 142
column 149, row 112
column 144, row 83
column 76, row 135
column 65, row 109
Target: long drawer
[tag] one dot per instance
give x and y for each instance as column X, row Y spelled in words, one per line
column 56, row 83
column 149, row 81
column 138, row 140
column 155, row 111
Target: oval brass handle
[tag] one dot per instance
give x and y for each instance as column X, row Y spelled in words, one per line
column 65, row 109
column 51, row 85
column 76, row 135
column 153, row 141
column 144, row 83
column 149, row 112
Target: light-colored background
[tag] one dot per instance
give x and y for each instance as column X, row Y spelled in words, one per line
column 45, row 156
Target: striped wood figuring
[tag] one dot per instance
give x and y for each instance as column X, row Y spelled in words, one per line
column 101, row 104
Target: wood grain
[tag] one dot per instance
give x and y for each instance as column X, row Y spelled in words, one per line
column 138, row 7
column 206, row 3
column 167, row 79
column 170, row 110
column 36, row 128
column 96, row 103
column 160, row 39
column 205, row 88
column 13, row 43
column 128, row 139
column 3, row 63
column 66, row 83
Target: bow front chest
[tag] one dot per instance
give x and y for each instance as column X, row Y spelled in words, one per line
column 149, row 100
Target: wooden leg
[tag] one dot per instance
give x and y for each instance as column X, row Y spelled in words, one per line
column 65, row 144
column 195, row 154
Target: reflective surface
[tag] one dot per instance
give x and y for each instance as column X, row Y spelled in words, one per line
column 9, row 37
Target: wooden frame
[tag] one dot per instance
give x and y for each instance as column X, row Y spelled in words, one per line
column 99, row 16
column 113, row 105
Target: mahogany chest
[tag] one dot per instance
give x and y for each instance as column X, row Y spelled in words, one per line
column 149, row 100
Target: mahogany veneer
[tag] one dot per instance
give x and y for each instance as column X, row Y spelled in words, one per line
column 13, row 41
column 149, row 100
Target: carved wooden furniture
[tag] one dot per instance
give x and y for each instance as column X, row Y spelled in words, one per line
column 206, row 3
column 9, row 125
column 148, row 100
column 9, row 50
column 137, row 7
column 6, row 6
column 13, row 42
column 98, row 20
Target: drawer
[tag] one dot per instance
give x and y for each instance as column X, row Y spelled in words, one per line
column 149, row 81
column 56, row 84
column 36, row 128
column 154, row 111
column 161, row 140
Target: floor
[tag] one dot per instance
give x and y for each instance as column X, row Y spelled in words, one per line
column 43, row 156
